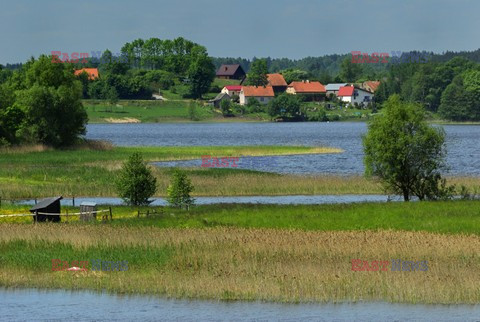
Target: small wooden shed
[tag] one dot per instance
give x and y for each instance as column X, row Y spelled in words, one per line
column 47, row 206
column 88, row 211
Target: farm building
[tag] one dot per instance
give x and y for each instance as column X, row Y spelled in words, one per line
column 232, row 90
column 277, row 82
column 48, row 205
column 334, row 88
column 263, row 94
column 371, row 86
column 313, row 91
column 218, row 99
column 91, row 72
column 231, row 72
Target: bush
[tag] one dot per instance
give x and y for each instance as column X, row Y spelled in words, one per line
column 318, row 116
column 136, row 183
column 179, row 190
column 226, row 107
column 239, row 109
column 254, row 106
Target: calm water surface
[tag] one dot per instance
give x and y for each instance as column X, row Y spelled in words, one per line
column 463, row 143
column 30, row 304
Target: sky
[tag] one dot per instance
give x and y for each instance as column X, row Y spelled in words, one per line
column 241, row 28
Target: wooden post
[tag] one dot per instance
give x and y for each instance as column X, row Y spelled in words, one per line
column 35, row 200
column 35, row 218
column 67, row 215
column 138, row 213
column 73, row 201
column 148, row 212
column 110, row 208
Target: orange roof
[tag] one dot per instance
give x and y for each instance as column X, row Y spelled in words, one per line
column 308, row 87
column 92, row 72
column 254, row 91
column 276, row 80
column 373, row 85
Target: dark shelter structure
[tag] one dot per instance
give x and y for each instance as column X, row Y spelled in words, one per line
column 48, row 205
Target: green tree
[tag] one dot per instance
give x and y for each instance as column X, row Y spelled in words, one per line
column 350, row 72
column 136, row 183
column 179, row 190
column 454, row 101
column 50, row 101
column 287, row 107
column 257, row 75
column 405, row 153
column 201, row 74
column 291, row 75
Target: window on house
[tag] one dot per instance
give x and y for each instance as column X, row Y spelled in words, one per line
column 261, row 99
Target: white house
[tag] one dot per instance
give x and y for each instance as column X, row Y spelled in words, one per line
column 352, row 95
column 232, row 90
column 263, row 94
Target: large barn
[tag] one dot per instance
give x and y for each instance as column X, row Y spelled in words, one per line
column 231, row 72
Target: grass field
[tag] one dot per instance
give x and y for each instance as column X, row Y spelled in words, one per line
column 272, row 253
column 145, row 111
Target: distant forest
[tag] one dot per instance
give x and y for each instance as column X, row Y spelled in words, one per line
column 320, row 67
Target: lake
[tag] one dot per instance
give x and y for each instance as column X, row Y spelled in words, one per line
column 462, row 141
column 59, row 305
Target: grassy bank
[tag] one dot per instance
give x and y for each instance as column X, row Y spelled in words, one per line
column 149, row 111
column 88, row 171
column 269, row 260
column 450, row 217
column 36, row 172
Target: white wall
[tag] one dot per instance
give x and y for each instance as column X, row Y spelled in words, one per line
column 262, row 99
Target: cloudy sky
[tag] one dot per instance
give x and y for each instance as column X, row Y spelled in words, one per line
column 246, row 28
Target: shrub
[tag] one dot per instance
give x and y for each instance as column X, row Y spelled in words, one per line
column 226, row 108
column 179, row 190
column 136, row 183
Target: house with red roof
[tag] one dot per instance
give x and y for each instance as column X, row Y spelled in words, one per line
column 354, row 95
column 91, row 72
column 232, row 90
column 263, row 94
column 234, row 71
column 313, row 91
column 277, row 82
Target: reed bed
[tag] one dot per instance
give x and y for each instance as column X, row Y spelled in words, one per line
column 245, row 264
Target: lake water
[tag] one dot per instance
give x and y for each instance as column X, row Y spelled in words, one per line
column 272, row 200
column 58, row 305
column 463, row 143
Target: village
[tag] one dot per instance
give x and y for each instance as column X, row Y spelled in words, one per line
column 358, row 95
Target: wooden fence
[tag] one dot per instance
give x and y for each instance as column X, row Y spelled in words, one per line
column 108, row 213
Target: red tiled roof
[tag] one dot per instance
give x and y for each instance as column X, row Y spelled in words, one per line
column 234, row 87
column 308, row 87
column 92, row 72
column 372, row 84
column 276, row 80
column 253, row 91
column 346, row 91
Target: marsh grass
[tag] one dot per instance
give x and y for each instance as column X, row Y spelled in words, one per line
column 26, row 172
column 245, row 264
